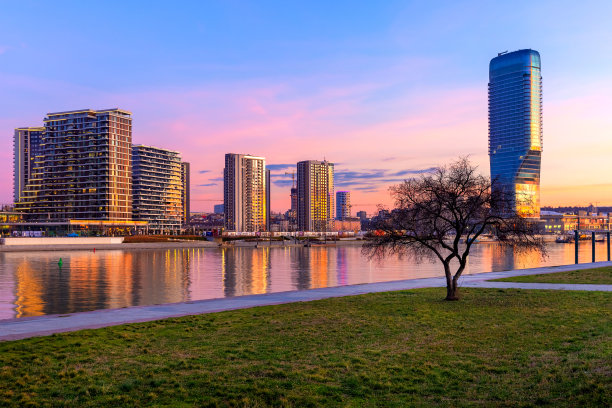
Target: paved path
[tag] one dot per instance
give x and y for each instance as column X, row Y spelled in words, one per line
column 13, row 329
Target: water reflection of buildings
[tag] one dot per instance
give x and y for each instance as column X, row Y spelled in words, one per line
column 341, row 266
column 301, row 268
column 496, row 257
column 102, row 280
column 319, row 267
column 245, row 271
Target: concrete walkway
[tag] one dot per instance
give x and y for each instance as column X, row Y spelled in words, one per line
column 14, row 329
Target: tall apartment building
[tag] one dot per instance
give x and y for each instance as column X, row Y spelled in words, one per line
column 515, row 127
column 245, row 193
column 343, row 205
column 26, row 148
column 186, row 197
column 82, row 170
column 315, row 185
column 158, row 188
column 268, row 199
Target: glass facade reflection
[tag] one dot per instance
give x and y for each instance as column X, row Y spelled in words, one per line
column 515, row 127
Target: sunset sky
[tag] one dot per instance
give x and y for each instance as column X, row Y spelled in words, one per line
column 383, row 89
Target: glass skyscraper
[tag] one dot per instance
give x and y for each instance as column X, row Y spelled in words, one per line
column 515, row 127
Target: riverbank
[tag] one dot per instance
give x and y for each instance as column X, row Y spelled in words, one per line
column 20, row 328
column 404, row 348
column 173, row 245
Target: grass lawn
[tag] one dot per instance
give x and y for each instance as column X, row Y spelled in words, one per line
column 595, row 276
column 492, row 348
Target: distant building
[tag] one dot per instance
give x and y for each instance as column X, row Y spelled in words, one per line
column 186, row 197
column 245, row 193
column 557, row 223
column 294, row 199
column 315, row 185
column 268, row 200
column 26, row 148
column 515, row 127
column 362, row 215
column 348, row 224
column 218, row 209
column 82, row 169
column 158, row 188
column 343, row 205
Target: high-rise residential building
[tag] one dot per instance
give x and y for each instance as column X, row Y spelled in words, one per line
column 158, row 188
column 245, row 193
column 343, row 205
column 268, row 200
column 294, row 199
column 515, row 127
column 219, row 209
column 83, row 170
column 26, row 148
column 186, row 196
column 315, row 185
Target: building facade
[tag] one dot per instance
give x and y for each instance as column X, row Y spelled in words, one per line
column 515, row 128
column 343, row 205
column 27, row 146
column 245, row 193
column 315, row 185
column 158, row 189
column 186, row 195
column 82, row 169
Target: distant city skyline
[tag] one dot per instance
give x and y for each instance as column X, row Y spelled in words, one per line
column 386, row 91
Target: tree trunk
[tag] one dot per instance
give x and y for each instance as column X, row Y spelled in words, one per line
column 452, row 290
column 451, row 284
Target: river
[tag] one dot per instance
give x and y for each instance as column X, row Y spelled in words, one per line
column 33, row 284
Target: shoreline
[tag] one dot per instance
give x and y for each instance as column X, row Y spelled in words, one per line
column 168, row 245
column 36, row 326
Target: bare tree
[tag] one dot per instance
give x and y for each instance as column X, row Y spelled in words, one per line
column 440, row 214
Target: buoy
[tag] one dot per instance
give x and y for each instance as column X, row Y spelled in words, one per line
column 94, row 250
column 60, row 262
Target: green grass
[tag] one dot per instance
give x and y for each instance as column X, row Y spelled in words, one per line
column 602, row 276
column 410, row 348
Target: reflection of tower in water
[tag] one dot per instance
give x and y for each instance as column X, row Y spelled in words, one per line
column 504, row 258
column 341, row 266
column 300, row 267
column 318, row 267
column 245, row 271
column 28, row 292
column 162, row 276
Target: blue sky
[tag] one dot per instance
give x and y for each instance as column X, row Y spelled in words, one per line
column 378, row 87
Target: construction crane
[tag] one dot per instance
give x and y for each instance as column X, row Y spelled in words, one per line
column 292, row 174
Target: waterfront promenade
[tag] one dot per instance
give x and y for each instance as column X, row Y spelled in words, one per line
column 13, row 329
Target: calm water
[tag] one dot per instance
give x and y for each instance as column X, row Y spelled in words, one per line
column 32, row 284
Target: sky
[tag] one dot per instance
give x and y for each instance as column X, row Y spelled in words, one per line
column 385, row 90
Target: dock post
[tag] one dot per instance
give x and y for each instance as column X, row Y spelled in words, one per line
column 593, row 246
column 576, row 237
column 608, row 243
